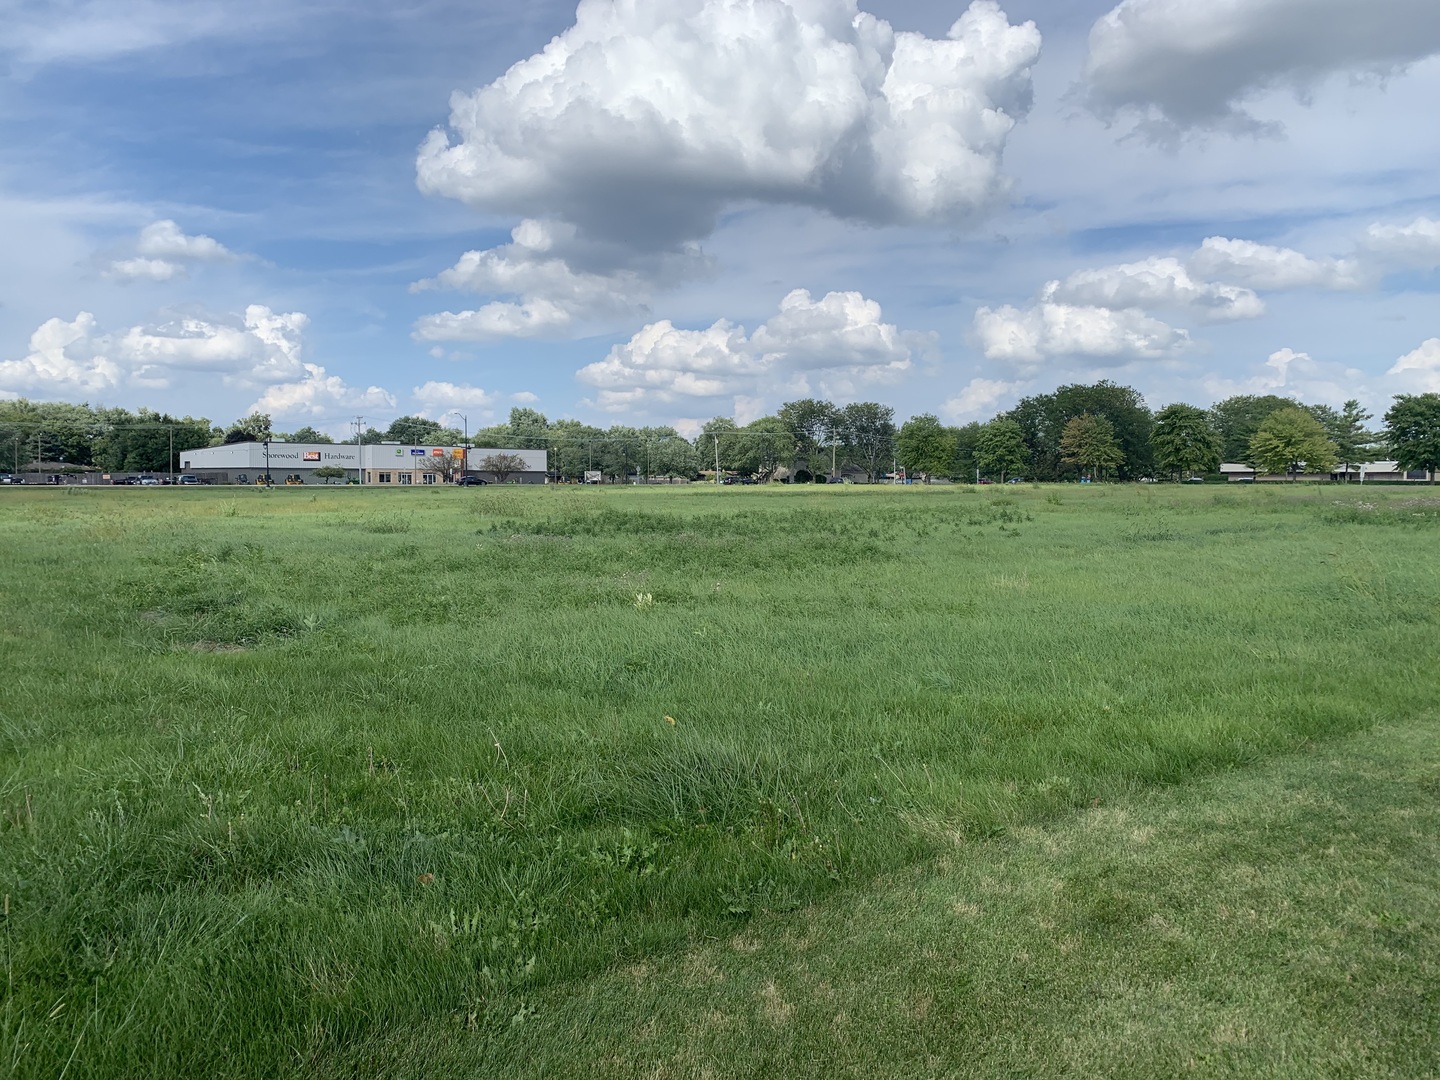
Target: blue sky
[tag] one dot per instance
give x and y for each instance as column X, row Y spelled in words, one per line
column 716, row 205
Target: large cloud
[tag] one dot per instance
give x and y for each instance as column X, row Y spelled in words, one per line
column 1414, row 245
column 645, row 119
column 436, row 396
column 262, row 351
column 832, row 345
column 318, row 395
column 163, row 250
column 66, row 359
column 264, row 348
column 1049, row 330
column 543, row 273
column 1419, row 371
column 1155, row 283
column 1273, row 268
column 1193, row 63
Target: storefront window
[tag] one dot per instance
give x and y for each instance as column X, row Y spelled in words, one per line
column 405, row 478
column 428, row 478
column 384, row 478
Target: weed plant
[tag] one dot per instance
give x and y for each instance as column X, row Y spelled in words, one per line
column 284, row 773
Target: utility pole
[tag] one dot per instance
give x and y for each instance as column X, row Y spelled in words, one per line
column 359, row 453
column 172, row 453
column 717, row 457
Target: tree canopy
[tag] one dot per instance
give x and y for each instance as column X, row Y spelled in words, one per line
column 1000, row 449
column 1291, row 440
column 1412, row 428
column 926, row 446
column 1185, row 441
column 1042, row 419
column 1089, row 442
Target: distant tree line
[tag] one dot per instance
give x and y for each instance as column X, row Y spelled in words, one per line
column 1100, row 430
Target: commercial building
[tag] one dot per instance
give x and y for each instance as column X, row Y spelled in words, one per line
column 1374, row 471
column 372, row 463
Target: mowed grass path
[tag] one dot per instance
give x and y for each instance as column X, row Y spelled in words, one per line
column 294, row 772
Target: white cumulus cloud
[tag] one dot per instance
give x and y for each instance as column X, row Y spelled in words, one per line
column 495, row 321
column 1048, row 330
column 142, row 269
column 1194, row 63
column 1295, row 374
column 547, row 290
column 435, row 394
column 1419, row 371
column 166, row 240
column 831, row 345
column 979, row 397
column 1273, row 268
column 644, row 120
column 1155, row 283
column 66, row 359
column 163, row 250
column 265, row 347
column 319, row 394
column 1415, row 245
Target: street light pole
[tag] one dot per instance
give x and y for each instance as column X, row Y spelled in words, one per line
column 464, row 450
column 717, row 457
column 267, row 460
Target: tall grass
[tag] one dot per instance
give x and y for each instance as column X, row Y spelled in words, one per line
column 280, row 773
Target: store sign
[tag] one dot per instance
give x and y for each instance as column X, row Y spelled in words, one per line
column 415, row 451
column 399, row 452
column 311, row 455
column 437, row 452
column 457, row 453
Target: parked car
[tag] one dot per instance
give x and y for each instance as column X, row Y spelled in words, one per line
column 987, row 480
column 471, row 481
column 149, row 481
column 9, row 479
column 186, row 480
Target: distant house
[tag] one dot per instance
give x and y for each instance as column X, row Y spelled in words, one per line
column 1373, row 471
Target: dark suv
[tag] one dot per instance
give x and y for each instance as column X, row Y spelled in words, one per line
column 471, row 481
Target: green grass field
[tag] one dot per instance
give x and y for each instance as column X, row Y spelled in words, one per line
column 688, row 782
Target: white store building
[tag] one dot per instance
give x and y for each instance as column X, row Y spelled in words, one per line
column 380, row 463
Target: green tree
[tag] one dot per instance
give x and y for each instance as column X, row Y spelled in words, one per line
column 925, row 445
column 1354, row 443
column 1412, row 430
column 529, row 429
column 765, row 445
column 573, row 448
column 329, row 472
column 1185, row 442
column 1236, row 419
column 1089, row 442
column 867, row 430
column 1291, row 440
column 967, row 448
column 719, row 441
column 502, row 466
column 252, row 428
column 812, row 425
column 308, row 434
column 415, row 431
column 1001, row 447
column 1042, row 418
